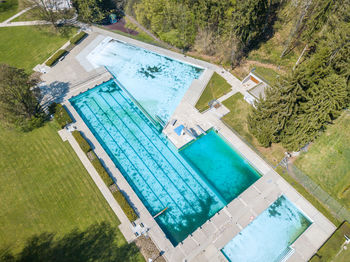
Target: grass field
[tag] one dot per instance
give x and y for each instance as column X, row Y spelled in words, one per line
column 44, row 188
column 27, row 46
column 237, row 119
column 331, row 250
column 216, row 87
column 8, row 8
column 328, row 160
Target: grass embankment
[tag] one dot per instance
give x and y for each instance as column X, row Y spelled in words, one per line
column 27, row 46
column 331, row 250
column 216, row 87
column 237, row 119
column 327, row 161
column 44, row 188
column 8, row 8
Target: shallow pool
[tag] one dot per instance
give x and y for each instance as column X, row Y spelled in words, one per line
column 157, row 82
column 269, row 236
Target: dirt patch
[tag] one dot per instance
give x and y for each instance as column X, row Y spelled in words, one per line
column 148, row 249
column 120, row 26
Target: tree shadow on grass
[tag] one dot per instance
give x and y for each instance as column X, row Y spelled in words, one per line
column 96, row 243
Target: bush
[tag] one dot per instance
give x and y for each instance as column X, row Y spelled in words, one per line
column 55, row 57
column 102, row 171
column 77, row 38
column 84, row 145
column 124, row 204
column 61, row 115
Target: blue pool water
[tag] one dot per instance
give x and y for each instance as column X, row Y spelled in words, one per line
column 156, row 171
column 157, row 82
column 267, row 238
column 228, row 172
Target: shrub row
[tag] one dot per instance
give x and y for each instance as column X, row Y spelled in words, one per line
column 55, row 57
column 124, row 204
column 84, row 145
column 119, row 197
column 76, row 39
column 61, row 115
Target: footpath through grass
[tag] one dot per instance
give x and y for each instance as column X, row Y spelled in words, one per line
column 216, row 87
column 44, row 188
column 328, row 160
column 27, row 46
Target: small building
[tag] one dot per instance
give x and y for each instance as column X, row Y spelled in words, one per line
column 255, row 87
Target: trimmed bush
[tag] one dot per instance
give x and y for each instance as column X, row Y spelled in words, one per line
column 124, row 204
column 61, row 115
column 84, row 145
column 101, row 171
column 56, row 57
column 77, row 38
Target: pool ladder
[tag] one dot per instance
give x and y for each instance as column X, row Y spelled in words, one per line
column 287, row 253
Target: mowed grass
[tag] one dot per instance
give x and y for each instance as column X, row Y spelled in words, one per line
column 237, row 119
column 216, row 87
column 328, row 160
column 45, row 188
column 25, row 47
column 8, row 8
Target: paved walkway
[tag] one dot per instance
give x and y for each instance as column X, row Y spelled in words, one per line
column 125, row 225
column 17, row 15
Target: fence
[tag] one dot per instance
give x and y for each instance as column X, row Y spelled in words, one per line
column 338, row 210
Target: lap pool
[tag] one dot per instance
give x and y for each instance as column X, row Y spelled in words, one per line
column 269, row 236
column 160, row 175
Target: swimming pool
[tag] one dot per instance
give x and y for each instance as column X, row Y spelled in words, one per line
column 153, row 167
column 269, row 236
column 221, row 165
column 157, row 82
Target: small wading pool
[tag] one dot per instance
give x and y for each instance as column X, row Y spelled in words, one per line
column 268, row 237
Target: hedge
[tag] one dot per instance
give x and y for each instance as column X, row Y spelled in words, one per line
column 75, row 39
column 84, row 145
column 61, row 115
column 102, row 171
column 124, row 204
column 55, row 57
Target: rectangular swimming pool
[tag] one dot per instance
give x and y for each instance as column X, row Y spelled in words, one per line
column 157, row 82
column 268, row 237
column 154, row 168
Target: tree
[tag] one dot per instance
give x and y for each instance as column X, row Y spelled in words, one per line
column 50, row 10
column 18, row 102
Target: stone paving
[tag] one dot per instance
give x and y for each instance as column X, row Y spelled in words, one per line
column 207, row 241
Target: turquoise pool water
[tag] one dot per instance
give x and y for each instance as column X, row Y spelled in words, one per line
column 154, row 168
column 228, row 172
column 269, row 236
column 157, row 82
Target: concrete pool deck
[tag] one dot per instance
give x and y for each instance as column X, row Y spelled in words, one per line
column 74, row 76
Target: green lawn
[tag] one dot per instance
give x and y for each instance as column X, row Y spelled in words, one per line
column 216, row 87
column 8, row 8
column 27, row 46
column 44, row 188
column 268, row 74
column 330, row 251
column 30, row 15
column 328, row 160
